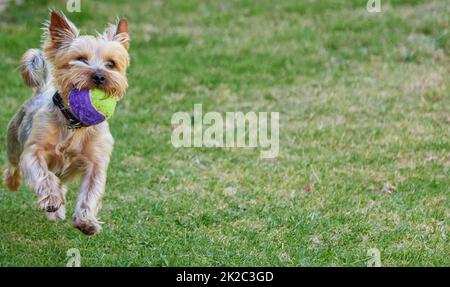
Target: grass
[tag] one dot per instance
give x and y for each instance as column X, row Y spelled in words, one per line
column 364, row 136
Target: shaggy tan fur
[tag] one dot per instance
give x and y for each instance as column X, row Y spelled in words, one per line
column 40, row 146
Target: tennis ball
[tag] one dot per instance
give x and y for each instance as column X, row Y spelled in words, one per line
column 103, row 103
column 91, row 107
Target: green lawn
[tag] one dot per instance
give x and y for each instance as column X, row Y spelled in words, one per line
column 364, row 102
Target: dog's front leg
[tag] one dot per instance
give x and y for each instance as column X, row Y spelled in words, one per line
column 43, row 182
column 90, row 197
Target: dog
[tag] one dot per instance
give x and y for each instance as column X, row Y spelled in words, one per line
column 43, row 143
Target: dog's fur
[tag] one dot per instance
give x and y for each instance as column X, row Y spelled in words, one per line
column 40, row 145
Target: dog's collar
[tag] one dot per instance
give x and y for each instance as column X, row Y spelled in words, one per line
column 74, row 123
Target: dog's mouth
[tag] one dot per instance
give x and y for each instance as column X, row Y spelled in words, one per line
column 107, row 89
column 91, row 107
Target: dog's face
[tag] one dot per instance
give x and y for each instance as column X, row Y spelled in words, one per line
column 87, row 62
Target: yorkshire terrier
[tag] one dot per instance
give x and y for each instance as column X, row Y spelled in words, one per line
column 45, row 143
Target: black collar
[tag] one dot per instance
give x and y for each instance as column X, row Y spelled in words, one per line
column 74, row 123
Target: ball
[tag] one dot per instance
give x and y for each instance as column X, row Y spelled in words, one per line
column 91, row 107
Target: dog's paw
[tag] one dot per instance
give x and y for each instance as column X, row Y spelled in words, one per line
column 87, row 226
column 59, row 215
column 51, row 203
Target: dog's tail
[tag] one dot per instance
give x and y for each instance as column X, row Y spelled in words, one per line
column 11, row 176
column 35, row 69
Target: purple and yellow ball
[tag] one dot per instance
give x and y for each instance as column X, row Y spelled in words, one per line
column 91, row 107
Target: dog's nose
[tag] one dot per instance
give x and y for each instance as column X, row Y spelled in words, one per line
column 98, row 78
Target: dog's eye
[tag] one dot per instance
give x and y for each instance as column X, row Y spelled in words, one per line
column 110, row 64
column 82, row 59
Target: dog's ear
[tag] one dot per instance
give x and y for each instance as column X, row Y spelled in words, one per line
column 118, row 32
column 61, row 32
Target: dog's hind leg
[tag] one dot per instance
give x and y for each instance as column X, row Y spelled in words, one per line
column 11, row 175
column 35, row 73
